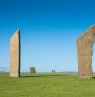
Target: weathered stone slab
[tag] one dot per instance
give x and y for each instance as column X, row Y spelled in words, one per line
column 85, row 51
column 32, row 70
column 15, row 55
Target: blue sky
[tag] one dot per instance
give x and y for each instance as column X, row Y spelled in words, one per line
column 49, row 29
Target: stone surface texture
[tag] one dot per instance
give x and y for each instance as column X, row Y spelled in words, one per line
column 85, row 51
column 15, row 55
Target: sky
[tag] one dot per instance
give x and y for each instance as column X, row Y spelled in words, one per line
column 49, row 29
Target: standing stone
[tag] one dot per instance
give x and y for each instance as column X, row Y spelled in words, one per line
column 32, row 70
column 15, row 55
column 85, row 50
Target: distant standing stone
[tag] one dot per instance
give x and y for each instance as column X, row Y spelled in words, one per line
column 32, row 70
column 15, row 55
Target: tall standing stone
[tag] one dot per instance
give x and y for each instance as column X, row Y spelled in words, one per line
column 15, row 55
column 85, row 51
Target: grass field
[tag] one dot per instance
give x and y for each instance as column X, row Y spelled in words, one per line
column 46, row 85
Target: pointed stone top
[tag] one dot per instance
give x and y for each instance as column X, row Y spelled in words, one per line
column 16, row 34
column 93, row 26
column 91, row 29
column 18, row 30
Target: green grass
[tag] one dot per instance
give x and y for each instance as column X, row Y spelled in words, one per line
column 46, row 85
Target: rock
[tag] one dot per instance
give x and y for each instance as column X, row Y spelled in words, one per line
column 15, row 55
column 32, row 70
column 85, row 50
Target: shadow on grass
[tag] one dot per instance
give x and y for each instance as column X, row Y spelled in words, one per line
column 42, row 75
column 93, row 77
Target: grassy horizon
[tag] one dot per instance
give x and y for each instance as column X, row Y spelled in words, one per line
column 46, row 85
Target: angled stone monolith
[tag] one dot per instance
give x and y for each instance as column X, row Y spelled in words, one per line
column 15, row 55
column 85, row 51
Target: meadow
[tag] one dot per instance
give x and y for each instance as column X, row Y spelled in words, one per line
column 46, row 85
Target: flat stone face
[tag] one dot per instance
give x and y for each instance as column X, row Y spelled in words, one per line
column 85, row 51
column 15, row 55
